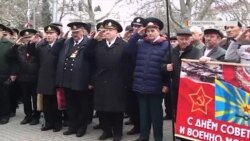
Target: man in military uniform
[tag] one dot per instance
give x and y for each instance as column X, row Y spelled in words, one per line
column 133, row 106
column 47, row 77
column 110, row 85
column 62, row 37
column 73, row 75
column 15, row 34
column 13, row 87
column 8, row 32
column 60, row 26
column 27, row 76
column 7, row 75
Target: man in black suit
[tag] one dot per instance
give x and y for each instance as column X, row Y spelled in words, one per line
column 73, row 75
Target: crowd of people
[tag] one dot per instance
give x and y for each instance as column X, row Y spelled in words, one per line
column 104, row 72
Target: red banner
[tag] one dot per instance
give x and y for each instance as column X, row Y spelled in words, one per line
column 213, row 105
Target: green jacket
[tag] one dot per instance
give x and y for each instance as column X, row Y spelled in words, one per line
column 6, row 62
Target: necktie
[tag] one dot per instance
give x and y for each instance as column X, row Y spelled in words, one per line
column 76, row 43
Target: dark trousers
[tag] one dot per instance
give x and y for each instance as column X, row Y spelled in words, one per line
column 168, row 106
column 174, row 95
column 53, row 117
column 111, row 122
column 15, row 95
column 65, row 116
column 29, row 98
column 4, row 101
column 133, row 109
column 78, row 106
column 151, row 112
column 91, row 105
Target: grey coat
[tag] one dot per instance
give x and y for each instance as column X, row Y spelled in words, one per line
column 236, row 53
column 216, row 54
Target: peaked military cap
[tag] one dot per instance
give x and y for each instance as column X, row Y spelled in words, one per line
column 173, row 38
column 213, row 30
column 88, row 27
column 128, row 28
column 9, row 30
column 52, row 28
column 57, row 24
column 27, row 32
column 112, row 24
column 153, row 22
column 99, row 26
column 138, row 21
column 76, row 26
column 15, row 30
column 183, row 32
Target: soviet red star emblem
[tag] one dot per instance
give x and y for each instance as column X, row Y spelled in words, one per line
column 200, row 101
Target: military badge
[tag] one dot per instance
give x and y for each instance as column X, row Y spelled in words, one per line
column 73, row 55
column 109, row 24
column 150, row 23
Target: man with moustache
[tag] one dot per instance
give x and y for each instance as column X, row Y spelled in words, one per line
column 73, row 75
column 212, row 50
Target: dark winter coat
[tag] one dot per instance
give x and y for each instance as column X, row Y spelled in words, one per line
column 110, row 78
column 47, row 71
column 73, row 73
column 28, row 64
column 148, row 73
column 6, row 61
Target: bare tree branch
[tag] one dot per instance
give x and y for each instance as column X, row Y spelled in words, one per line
column 202, row 14
column 109, row 12
column 172, row 17
column 62, row 12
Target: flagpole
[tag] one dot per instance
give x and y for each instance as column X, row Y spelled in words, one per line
column 170, row 56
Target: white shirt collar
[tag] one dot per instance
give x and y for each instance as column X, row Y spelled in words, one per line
column 51, row 45
column 79, row 41
column 110, row 43
column 207, row 51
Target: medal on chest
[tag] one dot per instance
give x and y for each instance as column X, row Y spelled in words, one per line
column 73, row 55
column 27, row 55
